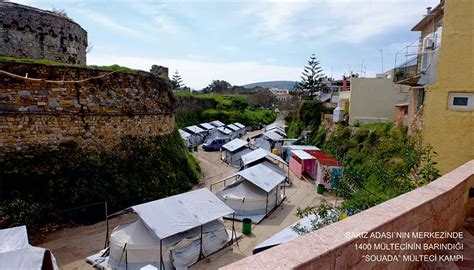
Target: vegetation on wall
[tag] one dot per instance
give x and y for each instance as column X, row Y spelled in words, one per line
column 37, row 183
column 305, row 117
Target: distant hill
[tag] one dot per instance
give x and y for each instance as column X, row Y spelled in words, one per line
column 270, row 84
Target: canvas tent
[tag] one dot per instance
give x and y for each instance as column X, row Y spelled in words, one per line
column 186, row 137
column 233, row 151
column 260, row 155
column 174, row 232
column 254, row 193
column 223, row 132
column 17, row 253
column 197, row 134
column 217, row 123
column 284, row 235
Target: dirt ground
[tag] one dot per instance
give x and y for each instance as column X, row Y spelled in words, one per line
column 71, row 246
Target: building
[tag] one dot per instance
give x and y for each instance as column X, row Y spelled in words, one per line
column 441, row 101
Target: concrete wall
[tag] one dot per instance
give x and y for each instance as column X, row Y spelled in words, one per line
column 441, row 206
column 373, row 100
column 29, row 32
column 94, row 113
column 451, row 132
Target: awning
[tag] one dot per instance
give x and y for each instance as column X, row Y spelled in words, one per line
column 302, row 154
column 259, row 154
column 182, row 212
column 234, row 145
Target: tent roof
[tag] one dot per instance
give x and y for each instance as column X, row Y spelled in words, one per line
column 234, row 144
column 183, row 134
column 182, row 212
column 224, row 130
column 217, row 123
column 259, row 154
column 13, row 239
column 272, row 135
column 195, row 129
column 302, row 154
column 233, row 127
column 302, row 147
column 207, row 126
column 286, row 234
column 239, row 125
column 262, row 176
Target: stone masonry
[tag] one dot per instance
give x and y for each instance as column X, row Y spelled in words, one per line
column 94, row 113
column 28, row 32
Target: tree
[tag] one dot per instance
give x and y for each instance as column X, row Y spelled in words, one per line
column 217, row 86
column 311, row 78
column 177, row 81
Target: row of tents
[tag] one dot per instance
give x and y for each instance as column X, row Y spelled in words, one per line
column 177, row 231
column 197, row 134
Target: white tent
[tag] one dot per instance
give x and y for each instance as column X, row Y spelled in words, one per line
column 241, row 128
column 232, row 127
column 197, row 135
column 174, row 232
column 233, row 151
column 217, row 123
column 186, row 137
column 259, row 155
column 284, row 235
column 254, row 193
column 206, row 126
column 17, row 253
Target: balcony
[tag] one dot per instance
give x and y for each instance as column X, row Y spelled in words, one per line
column 444, row 205
column 406, row 69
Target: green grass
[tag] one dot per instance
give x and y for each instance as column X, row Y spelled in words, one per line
column 114, row 67
column 224, row 100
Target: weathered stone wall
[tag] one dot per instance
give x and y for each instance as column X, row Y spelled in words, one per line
column 38, row 34
column 95, row 113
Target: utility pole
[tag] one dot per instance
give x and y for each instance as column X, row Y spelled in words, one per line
column 381, row 56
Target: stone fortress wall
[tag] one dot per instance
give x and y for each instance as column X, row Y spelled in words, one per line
column 94, row 112
column 29, row 32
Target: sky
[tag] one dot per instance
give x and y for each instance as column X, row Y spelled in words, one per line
column 245, row 41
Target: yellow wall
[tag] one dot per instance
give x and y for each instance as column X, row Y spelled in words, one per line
column 451, row 133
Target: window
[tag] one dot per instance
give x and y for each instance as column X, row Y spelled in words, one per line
column 460, row 101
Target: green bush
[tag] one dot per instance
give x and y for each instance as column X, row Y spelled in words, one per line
column 136, row 170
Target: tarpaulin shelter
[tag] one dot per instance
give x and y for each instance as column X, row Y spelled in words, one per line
column 233, row 150
column 17, row 253
column 174, row 232
column 223, row 132
column 303, row 164
column 254, row 193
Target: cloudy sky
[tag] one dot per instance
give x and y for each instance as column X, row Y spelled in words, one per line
column 245, row 41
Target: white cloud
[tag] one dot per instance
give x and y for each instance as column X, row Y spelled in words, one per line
column 349, row 21
column 198, row 74
column 107, row 22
